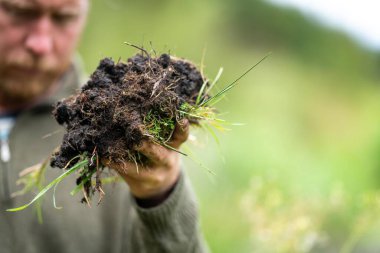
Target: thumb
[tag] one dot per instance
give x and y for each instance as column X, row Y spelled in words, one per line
column 180, row 134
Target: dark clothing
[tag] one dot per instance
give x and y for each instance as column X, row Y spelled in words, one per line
column 118, row 224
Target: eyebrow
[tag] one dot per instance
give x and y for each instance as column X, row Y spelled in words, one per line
column 11, row 6
column 18, row 3
column 33, row 5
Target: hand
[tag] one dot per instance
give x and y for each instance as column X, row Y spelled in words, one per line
column 158, row 176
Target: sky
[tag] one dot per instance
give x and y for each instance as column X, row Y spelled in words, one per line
column 360, row 19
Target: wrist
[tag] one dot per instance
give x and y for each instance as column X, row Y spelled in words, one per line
column 156, row 200
column 159, row 182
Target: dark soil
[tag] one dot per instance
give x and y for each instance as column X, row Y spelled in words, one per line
column 123, row 104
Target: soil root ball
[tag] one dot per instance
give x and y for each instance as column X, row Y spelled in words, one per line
column 123, row 104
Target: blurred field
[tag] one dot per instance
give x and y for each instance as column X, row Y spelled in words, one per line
column 310, row 111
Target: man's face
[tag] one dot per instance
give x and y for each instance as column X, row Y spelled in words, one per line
column 37, row 40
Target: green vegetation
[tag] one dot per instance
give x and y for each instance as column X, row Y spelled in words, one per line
column 283, row 221
column 80, row 164
column 33, row 179
column 310, row 112
column 159, row 127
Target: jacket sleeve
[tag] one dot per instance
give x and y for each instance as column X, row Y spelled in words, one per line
column 172, row 226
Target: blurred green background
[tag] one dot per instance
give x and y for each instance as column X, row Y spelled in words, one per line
column 310, row 115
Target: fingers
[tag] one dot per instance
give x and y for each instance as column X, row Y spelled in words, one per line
column 131, row 171
column 156, row 153
column 126, row 168
column 180, row 134
column 159, row 154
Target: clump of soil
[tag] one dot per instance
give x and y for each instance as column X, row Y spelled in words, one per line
column 123, row 104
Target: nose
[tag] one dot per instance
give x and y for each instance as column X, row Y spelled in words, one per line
column 39, row 40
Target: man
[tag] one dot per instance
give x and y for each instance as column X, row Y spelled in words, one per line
column 154, row 211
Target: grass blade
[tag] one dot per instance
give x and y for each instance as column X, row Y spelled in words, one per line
column 79, row 187
column 200, row 95
column 54, row 182
column 213, row 134
column 193, row 158
column 54, row 202
column 171, row 148
column 215, row 80
column 231, row 85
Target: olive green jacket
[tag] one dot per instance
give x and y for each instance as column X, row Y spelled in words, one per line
column 117, row 224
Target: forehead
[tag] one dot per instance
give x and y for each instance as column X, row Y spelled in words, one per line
column 49, row 4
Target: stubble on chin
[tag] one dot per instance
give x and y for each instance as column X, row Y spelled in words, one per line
column 22, row 91
column 25, row 78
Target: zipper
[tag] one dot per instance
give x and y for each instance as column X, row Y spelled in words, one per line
column 6, row 124
column 5, row 156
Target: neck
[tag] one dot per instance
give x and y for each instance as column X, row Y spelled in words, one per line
column 3, row 110
column 11, row 108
